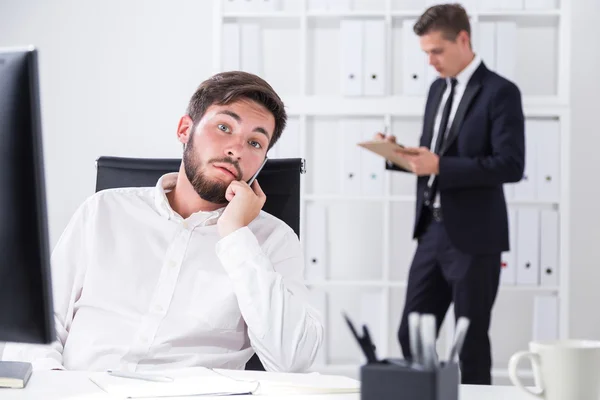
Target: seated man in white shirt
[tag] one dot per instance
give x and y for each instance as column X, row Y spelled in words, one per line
column 190, row 272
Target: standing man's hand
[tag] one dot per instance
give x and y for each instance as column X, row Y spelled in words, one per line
column 245, row 203
column 423, row 161
column 388, row 138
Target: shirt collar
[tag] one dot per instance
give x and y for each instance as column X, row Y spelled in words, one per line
column 165, row 184
column 465, row 75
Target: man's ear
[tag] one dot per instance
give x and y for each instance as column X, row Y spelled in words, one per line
column 464, row 38
column 184, row 129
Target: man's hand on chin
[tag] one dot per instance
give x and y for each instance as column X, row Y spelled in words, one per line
column 245, row 203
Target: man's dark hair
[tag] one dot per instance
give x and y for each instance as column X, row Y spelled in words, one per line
column 227, row 87
column 449, row 19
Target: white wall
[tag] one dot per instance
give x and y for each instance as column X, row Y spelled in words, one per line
column 115, row 77
column 585, row 188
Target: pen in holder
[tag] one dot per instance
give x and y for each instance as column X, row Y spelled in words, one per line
column 422, row 378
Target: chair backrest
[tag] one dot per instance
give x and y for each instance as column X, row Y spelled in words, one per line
column 279, row 179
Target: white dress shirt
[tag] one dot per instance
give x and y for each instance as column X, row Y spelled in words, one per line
column 137, row 287
column 462, row 79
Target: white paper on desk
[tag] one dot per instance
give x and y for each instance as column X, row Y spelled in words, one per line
column 279, row 383
column 186, row 382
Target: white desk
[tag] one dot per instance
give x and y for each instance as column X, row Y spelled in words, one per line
column 69, row 385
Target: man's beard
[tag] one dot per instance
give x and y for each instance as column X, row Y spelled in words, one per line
column 207, row 189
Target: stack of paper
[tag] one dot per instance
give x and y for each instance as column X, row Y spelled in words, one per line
column 218, row 382
column 272, row 383
column 188, row 382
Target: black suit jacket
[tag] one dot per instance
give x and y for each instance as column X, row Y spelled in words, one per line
column 484, row 148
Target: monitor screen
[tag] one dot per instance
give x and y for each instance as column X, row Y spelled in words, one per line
column 25, row 288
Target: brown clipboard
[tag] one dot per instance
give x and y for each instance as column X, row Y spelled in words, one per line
column 390, row 151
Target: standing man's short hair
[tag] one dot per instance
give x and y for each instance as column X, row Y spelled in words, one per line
column 449, row 19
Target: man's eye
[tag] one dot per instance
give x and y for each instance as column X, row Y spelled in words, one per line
column 255, row 144
column 223, row 128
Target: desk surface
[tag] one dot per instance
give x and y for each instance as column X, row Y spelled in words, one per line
column 75, row 385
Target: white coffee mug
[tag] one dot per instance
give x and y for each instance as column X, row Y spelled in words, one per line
column 562, row 369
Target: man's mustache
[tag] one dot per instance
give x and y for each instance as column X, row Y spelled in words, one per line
column 231, row 161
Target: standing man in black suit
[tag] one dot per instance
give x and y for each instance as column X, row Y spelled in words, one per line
column 472, row 143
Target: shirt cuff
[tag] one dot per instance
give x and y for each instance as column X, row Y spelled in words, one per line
column 237, row 248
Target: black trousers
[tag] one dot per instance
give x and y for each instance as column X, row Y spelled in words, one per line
column 441, row 274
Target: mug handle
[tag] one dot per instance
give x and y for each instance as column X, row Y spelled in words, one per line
column 514, row 378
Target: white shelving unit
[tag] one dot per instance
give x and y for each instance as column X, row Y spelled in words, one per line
column 367, row 234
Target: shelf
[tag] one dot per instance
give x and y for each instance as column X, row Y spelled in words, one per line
column 381, row 14
column 347, row 14
column 336, row 197
column 546, row 204
column 402, row 284
column 261, row 15
column 406, row 106
column 518, row 13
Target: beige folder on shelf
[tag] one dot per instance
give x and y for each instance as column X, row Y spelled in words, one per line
column 393, row 152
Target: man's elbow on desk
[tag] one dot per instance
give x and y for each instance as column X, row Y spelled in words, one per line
column 299, row 354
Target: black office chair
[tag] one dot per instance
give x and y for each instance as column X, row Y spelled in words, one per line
column 279, row 179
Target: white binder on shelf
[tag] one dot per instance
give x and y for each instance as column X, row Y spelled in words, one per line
column 288, row 145
column 413, row 5
column 231, row 47
column 486, row 43
column 316, row 262
column 231, row 6
column 525, row 189
column 251, row 48
column 431, row 75
column 374, row 59
column 268, row 5
column 317, row 5
column 350, row 133
column 413, row 63
column 340, row 5
column 506, row 43
column 508, row 276
column 528, row 247
column 370, row 302
column 545, row 318
column 547, row 143
column 351, row 38
column 509, row 191
column 541, row 4
column 549, row 247
column 488, row 5
column 373, row 166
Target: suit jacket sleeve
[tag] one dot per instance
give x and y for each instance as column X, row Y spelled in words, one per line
column 507, row 161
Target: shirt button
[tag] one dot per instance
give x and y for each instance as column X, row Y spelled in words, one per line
column 144, row 339
column 185, row 224
column 158, row 309
column 172, row 264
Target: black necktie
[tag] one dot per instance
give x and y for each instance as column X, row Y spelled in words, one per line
column 445, row 117
column 431, row 191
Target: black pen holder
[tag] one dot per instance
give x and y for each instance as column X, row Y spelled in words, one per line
column 398, row 380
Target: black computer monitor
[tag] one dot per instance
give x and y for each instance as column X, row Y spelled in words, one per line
column 25, row 289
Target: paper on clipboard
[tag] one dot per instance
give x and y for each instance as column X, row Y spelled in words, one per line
column 391, row 151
